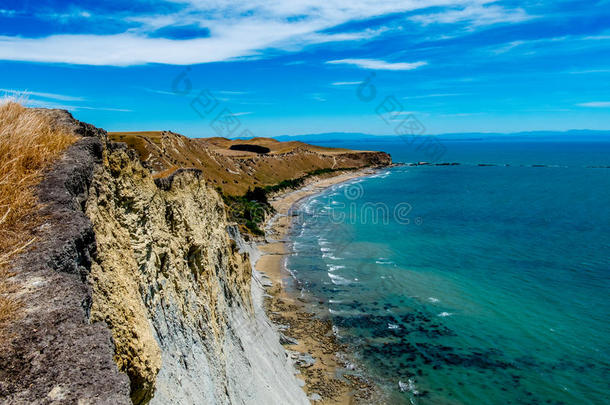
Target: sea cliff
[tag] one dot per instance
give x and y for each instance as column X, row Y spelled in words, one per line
column 140, row 290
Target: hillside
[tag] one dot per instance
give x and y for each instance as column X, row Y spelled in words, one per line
column 226, row 165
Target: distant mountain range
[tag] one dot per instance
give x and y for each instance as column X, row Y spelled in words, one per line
column 575, row 134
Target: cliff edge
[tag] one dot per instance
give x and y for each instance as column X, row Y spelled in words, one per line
column 139, row 290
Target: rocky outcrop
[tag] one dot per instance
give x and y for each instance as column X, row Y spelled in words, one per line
column 54, row 354
column 136, row 293
column 176, row 291
column 139, row 291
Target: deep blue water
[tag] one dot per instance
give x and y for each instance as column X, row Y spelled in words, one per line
column 469, row 284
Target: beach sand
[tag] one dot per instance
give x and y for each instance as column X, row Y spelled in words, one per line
column 316, row 351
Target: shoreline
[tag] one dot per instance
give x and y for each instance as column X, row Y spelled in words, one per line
column 309, row 340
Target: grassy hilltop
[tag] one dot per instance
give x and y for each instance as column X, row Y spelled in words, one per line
column 226, row 165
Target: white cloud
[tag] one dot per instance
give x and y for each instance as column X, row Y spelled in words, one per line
column 475, row 14
column 102, row 109
column 318, row 97
column 530, row 46
column 50, row 100
column 377, row 64
column 434, row 95
column 597, row 38
column 595, row 104
column 238, row 114
column 345, row 83
column 30, row 102
column 582, row 72
column 27, row 93
column 163, row 92
column 233, row 93
column 237, row 29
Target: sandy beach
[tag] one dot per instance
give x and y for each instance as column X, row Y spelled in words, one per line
column 310, row 340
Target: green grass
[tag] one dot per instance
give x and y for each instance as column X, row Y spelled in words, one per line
column 250, row 209
column 246, row 210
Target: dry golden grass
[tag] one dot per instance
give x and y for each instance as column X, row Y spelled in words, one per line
column 164, row 153
column 29, row 143
column 165, row 173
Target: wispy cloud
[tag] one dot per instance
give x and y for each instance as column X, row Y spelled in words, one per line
column 474, row 14
column 530, row 46
column 462, row 114
column 32, row 102
column 235, row 30
column 345, row 83
column 434, row 95
column 595, row 104
column 582, row 72
column 157, row 91
column 27, row 93
column 318, row 97
column 52, row 100
column 238, row 114
column 103, row 109
column 233, row 93
column 378, row 64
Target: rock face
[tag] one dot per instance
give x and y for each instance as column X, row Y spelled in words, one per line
column 54, row 354
column 139, row 291
column 176, row 291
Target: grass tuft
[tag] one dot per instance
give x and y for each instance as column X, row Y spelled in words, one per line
column 29, row 143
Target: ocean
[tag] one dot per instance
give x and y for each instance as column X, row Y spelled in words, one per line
column 485, row 282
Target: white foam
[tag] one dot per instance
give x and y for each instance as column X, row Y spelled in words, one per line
column 338, row 280
column 384, row 261
column 291, row 272
column 444, row 314
column 324, row 249
column 334, row 267
column 433, row 300
column 339, row 312
column 381, row 175
column 393, row 326
column 409, row 386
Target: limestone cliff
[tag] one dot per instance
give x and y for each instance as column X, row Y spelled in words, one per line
column 176, row 292
column 139, row 291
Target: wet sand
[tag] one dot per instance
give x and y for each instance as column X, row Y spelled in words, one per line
column 309, row 339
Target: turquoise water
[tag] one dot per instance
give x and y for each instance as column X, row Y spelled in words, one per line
column 469, row 284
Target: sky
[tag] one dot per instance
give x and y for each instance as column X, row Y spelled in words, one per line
column 274, row 67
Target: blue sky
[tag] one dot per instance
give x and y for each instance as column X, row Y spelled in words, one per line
column 296, row 67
